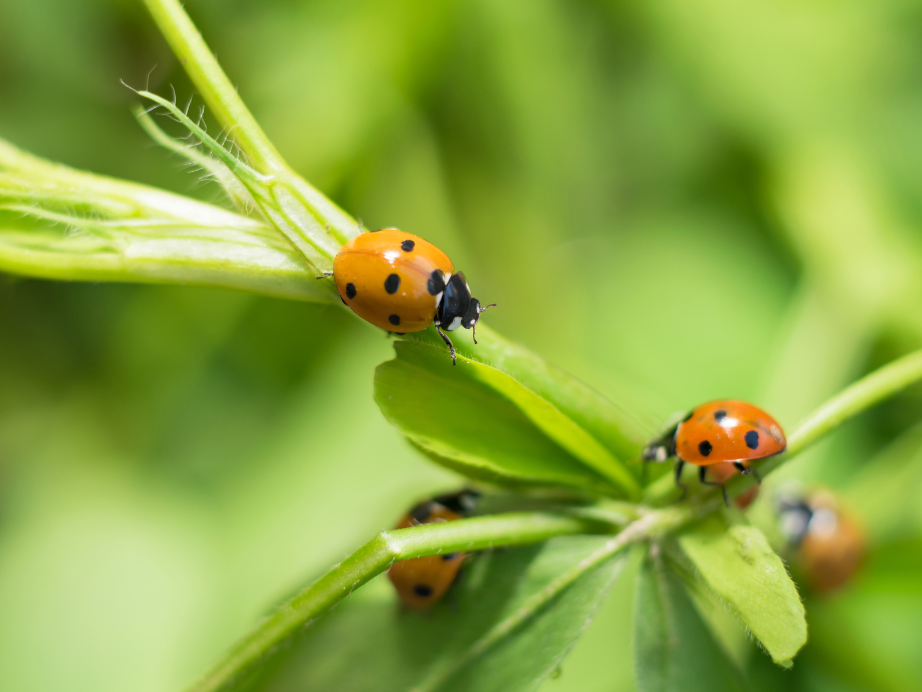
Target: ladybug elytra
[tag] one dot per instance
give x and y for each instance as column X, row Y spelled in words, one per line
column 728, row 432
column 830, row 542
column 421, row 582
column 399, row 282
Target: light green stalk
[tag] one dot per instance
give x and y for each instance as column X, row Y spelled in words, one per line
column 313, row 224
column 59, row 223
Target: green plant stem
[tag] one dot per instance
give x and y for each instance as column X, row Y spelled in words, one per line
column 854, row 399
column 214, row 86
column 857, row 397
column 375, row 557
column 299, row 211
column 652, row 524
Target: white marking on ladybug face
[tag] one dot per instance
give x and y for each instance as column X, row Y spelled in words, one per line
column 661, row 454
column 455, row 323
column 823, row 522
column 794, row 525
column 438, row 298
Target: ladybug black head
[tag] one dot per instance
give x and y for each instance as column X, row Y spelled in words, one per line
column 462, row 502
column 794, row 516
column 458, row 308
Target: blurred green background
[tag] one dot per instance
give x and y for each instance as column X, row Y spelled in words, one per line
column 675, row 201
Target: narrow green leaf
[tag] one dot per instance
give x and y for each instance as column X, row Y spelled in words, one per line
column 487, row 635
column 455, row 414
column 738, row 564
column 59, row 223
column 232, row 187
column 314, row 223
column 674, row 651
column 279, row 195
column 613, row 426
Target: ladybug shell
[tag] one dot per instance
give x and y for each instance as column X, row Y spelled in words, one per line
column 728, row 430
column 721, row 473
column 833, row 547
column 421, row 582
column 394, row 280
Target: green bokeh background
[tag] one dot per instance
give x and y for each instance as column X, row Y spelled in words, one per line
column 674, row 200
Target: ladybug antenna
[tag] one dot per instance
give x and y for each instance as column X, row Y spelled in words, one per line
column 482, row 308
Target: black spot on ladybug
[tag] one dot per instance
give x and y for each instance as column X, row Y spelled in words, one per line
column 688, row 416
column 752, row 439
column 705, row 448
column 407, row 245
column 350, row 290
column 436, row 283
column 719, row 415
column 449, row 556
column 422, row 590
column 394, row 319
column 391, row 284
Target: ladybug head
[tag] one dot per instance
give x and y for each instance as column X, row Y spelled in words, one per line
column 458, row 308
column 462, row 502
column 794, row 515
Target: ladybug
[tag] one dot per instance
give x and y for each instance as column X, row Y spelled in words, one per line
column 402, row 283
column 830, row 543
column 719, row 432
column 421, row 582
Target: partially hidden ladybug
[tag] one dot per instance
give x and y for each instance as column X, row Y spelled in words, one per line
column 402, row 283
column 720, row 432
column 830, row 543
column 421, row 582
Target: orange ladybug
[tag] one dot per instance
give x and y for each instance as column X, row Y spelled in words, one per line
column 402, row 283
column 421, row 582
column 830, row 542
column 720, row 432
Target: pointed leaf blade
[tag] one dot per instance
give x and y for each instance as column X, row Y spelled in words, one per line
column 738, row 564
column 674, row 651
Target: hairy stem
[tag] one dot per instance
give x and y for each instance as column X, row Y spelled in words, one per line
column 650, row 525
column 376, row 556
column 304, row 215
column 214, row 86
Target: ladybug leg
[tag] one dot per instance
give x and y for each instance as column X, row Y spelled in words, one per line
column 679, row 464
column 746, row 470
column 325, row 275
column 451, row 346
column 702, row 470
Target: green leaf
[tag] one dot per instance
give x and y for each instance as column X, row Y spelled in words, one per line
column 673, row 648
column 295, row 209
column 59, row 223
column 485, row 636
column 737, row 563
column 617, row 429
column 481, row 422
